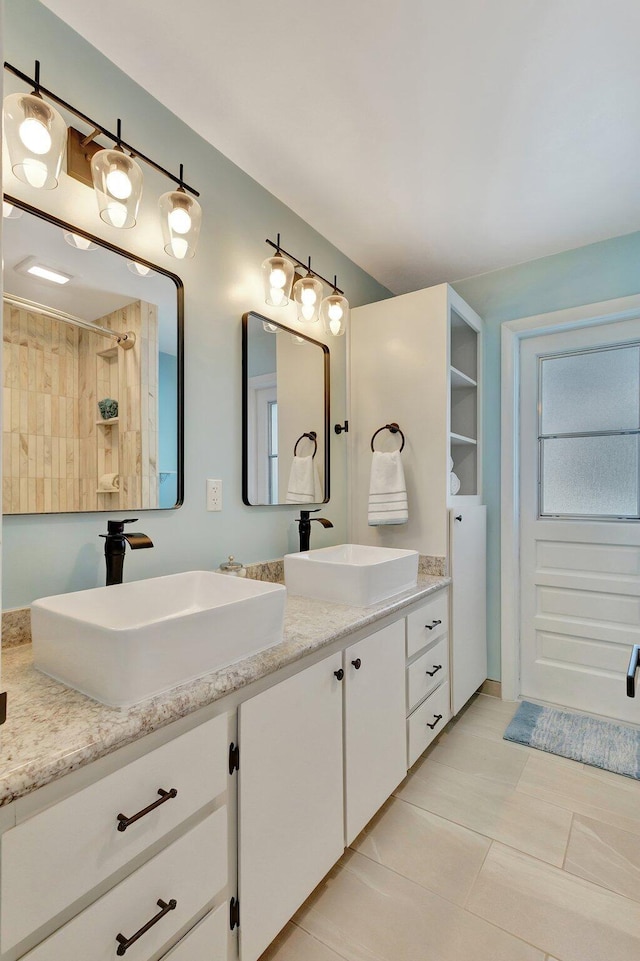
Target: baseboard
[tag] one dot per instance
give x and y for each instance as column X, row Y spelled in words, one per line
column 492, row 688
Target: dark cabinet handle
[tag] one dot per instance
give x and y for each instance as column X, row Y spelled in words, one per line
column 125, row 943
column 430, row 627
column 458, row 517
column 357, row 663
column 436, row 719
column 339, row 674
column 436, row 668
column 634, row 664
column 124, row 821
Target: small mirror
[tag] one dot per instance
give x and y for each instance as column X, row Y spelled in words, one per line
column 285, row 377
column 92, row 413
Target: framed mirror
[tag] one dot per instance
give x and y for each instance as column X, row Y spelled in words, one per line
column 93, row 372
column 285, row 415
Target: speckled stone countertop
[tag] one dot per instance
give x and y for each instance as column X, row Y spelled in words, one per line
column 52, row 729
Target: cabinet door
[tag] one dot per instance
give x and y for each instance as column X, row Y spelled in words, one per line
column 468, row 535
column 291, row 798
column 375, row 724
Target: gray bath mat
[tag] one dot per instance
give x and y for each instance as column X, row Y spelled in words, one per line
column 604, row 744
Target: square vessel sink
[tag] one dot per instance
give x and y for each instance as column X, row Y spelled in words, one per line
column 351, row 573
column 125, row 643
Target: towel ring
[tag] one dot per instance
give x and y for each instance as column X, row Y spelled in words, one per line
column 394, row 430
column 312, row 436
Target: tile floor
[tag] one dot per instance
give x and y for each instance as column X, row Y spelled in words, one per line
column 488, row 851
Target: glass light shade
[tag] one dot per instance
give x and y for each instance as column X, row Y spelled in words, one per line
column 79, row 242
column 35, row 134
column 138, row 269
column 277, row 274
column 307, row 293
column 180, row 219
column 269, row 328
column 117, row 181
column 334, row 313
column 9, row 212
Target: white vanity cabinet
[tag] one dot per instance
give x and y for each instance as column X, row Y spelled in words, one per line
column 73, row 879
column 290, row 817
column 427, row 674
column 374, row 724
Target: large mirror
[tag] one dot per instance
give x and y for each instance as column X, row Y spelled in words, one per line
column 93, row 373
column 285, row 415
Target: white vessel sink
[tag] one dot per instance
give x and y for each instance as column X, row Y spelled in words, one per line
column 351, row 573
column 123, row 644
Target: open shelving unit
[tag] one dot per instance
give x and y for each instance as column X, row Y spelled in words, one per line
column 463, row 402
column 108, row 435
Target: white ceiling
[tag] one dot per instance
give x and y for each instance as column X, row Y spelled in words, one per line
column 429, row 140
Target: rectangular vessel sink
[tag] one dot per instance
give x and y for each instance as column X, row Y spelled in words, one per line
column 125, row 643
column 351, row 573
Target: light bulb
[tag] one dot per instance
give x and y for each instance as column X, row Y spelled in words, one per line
column 334, row 326
column 115, row 214
column 179, row 247
column 277, row 278
column 118, row 184
column 35, row 135
column 308, row 297
column 179, row 220
column 307, row 311
column 35, row 172
column 276, row 296
column 335, row 313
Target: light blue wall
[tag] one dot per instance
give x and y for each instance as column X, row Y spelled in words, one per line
column 57, row 553
column 601, row 271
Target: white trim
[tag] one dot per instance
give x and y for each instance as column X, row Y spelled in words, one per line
column 512, row 333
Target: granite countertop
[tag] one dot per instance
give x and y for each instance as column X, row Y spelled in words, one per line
column 52, row 729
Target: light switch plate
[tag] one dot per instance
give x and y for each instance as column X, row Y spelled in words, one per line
column 214, row 495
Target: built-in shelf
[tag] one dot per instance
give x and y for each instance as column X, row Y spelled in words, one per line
column 107, row 423
column 461, row 439
column 459, row 380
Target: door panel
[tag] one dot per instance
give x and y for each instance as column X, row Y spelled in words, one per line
column 468, row 539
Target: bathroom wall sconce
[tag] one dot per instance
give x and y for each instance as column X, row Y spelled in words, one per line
column 279, row 271
column 36, row 135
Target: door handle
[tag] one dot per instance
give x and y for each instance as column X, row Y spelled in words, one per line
column 632, row 670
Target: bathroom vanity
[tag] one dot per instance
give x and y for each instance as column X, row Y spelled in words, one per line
column 192, row 826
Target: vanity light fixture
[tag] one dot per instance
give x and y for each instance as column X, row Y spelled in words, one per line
column 35, row 134
column 140, row 270
column 180, row 218
column 277, row 274
column 334, row 312
column 307, row 293
column 78, row 241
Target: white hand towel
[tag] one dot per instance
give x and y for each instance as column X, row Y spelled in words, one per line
column 387, row 490
column 304, row 484
column 454, row 483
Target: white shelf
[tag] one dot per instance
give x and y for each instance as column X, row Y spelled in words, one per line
column 461, row 439
column 108, row 490
column 107, row 423
column 459, row 380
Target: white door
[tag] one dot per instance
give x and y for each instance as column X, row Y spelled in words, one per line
column 290, row 818
column 579, row 516
column 375, row 724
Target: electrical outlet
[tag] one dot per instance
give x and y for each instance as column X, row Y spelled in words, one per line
column 214, row 495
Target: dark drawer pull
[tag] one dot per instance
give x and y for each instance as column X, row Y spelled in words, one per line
column 430, row 627
column 357, row 663
column 339, row 673
column 436, row 668
column 125, row 943
column 124, row 821
column 436, row 718
column 634, row 664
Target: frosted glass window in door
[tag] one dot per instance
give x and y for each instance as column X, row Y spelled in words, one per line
column 590, row 476
column 596, row 390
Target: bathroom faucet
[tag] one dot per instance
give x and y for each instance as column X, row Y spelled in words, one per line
column 114, row 547
column 304, row 526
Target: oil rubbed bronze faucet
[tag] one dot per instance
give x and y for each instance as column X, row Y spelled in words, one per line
column 304, row 526
column 115, row 545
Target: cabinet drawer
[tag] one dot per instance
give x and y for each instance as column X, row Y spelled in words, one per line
column 427, row 673
column 192, row 870
column 55, row 857
column 427, row 623
column 207, row 941
column 435, row 711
